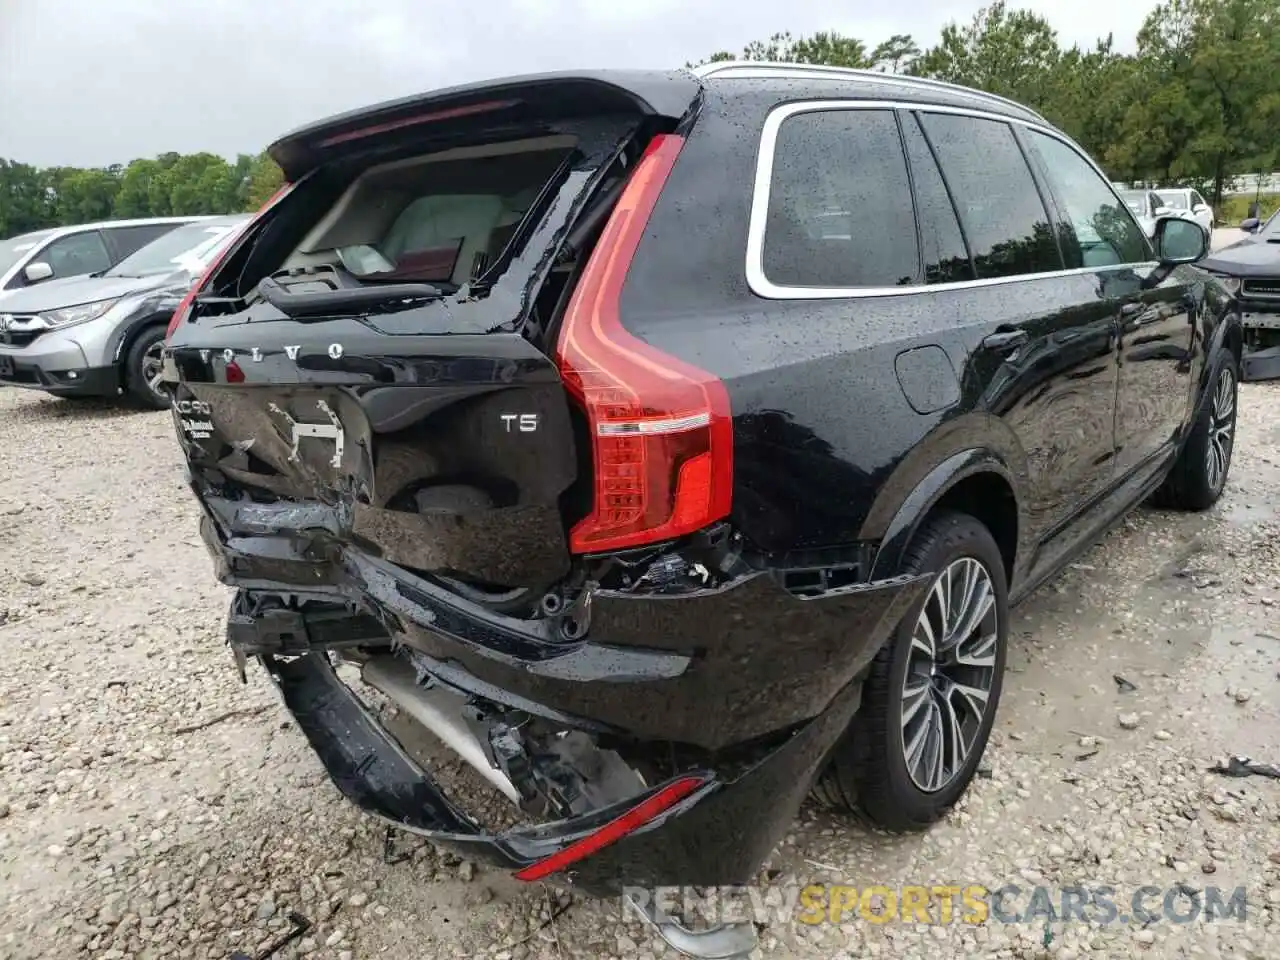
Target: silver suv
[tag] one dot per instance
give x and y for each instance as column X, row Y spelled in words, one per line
column 100, row 334
column 61, row 252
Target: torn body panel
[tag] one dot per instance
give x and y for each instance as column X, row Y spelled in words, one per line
column 649, row 664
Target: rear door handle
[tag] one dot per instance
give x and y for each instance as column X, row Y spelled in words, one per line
column 1005, row 341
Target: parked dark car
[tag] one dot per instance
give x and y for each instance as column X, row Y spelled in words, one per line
column 563, row 409
column 1250, row 269
column 101, row 335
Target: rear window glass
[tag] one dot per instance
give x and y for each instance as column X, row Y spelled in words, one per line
column 1174, row 201
column 430, row 220
column 840, row 211
column 1003, row 216
column 129, row 240
column 946, row 258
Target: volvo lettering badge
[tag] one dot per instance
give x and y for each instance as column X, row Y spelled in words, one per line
column 335, row 350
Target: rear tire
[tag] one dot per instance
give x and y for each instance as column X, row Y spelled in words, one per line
column 918, row 737
column 1199, row 475
column 142, row 368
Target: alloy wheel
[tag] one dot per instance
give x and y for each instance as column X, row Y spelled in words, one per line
column 950, row 673
column 1222, row 426
column 153, row 368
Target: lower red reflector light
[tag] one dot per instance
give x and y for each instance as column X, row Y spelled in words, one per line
column 614, row 830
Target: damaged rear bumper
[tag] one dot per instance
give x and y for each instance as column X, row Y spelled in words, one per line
column 716, row 831
column 710, row 668
column 701, row 717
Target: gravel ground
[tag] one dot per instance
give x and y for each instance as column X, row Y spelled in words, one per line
column 133, row 824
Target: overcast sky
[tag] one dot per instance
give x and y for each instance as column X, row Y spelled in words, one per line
column 94, row 82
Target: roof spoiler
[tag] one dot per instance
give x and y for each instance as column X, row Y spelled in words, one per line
column 511, row 101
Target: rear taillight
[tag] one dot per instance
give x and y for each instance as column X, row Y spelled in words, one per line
column 661, row 430
column 184, row 308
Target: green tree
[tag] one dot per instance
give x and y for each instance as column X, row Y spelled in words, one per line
column 81, row 196
column 134, row 196
column 1198, row 103
column 1089, row 96
column 1208, row 96
column 1010, row 53
column 264, row 179
column 24, row 199
column 895, row 55
column 1233, row 71
column 829, row 48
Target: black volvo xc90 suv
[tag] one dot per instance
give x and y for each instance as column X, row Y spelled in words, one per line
column 670, row 444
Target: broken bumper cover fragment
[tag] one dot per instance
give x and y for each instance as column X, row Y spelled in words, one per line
column 1261, row 360
column 697, row 828
column 1261, row 365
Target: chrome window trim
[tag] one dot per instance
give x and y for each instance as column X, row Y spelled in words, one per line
column 762, row 286
column 759, row 70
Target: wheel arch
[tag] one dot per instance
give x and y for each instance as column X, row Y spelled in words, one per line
column 1233, row 337
column 1229, row 333
column 978, row 481
column 128, row 335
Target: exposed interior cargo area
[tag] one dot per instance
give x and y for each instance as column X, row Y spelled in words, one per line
column 420, row 226
column 442, row 218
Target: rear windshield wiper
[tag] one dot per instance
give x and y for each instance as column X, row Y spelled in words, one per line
column 327, row 302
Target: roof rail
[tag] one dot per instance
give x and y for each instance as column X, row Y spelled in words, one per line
column 793, row 70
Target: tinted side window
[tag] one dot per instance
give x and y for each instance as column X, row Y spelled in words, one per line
column 946, row 259
column 1003, row 217
column 1197, row 200
column 1103, row 232
column 127, row 240
column 77, row 254
column 840, row 203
